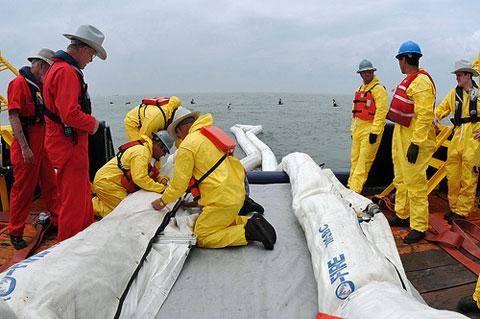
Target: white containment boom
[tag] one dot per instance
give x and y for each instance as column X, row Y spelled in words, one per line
column 84, row 276
column 256, row 151
column 253, row 157
column 357, row 267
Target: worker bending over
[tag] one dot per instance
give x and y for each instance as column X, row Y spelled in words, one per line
column 152, row 116
column 129, row 171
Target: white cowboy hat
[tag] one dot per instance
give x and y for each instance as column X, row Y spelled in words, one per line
column 181, row 114
column 91, row 36
column 44, row 55
column 464, row 66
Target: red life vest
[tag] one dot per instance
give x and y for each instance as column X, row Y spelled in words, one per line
column 158, row 101
column 126, row 180
column 402, row 107
column 224, row 143
column 364, row 104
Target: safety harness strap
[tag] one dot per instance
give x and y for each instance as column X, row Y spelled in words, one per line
column 161, row 111
column 121, row 151
column 214, row 167
column 54, row 117
column 166, row 220
column 457, row 119
column 36, row 98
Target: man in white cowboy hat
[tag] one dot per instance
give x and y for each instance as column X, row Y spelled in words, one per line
column 31, row 164
column 69, row 121
column 370, row 107
column 462, row 103
column 219, row 179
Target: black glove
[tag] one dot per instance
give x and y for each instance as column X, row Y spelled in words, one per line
column 372, row 138
column 412, row 153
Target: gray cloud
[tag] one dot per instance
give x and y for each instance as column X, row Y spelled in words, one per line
column 281, row 46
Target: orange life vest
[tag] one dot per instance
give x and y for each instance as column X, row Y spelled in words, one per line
column 224, row 143
column 402, row 107
column 126, row 180
column 364, row 104
column 158, row 101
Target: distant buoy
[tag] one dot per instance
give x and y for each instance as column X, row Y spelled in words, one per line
column 111, row 102
column 126, row 103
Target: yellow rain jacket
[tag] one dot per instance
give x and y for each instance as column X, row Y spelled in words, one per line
column 151, row 119
column 410, row 180
column 107, row 185
column 363, row 153
column 222, row 192
column 462, row 152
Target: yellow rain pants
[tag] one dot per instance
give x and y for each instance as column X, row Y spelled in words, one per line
column 363, row 153
column 151, row 119
column 411, row 199
column 476, row 293
column 222, row 192
column 107, row 185
column 462, row 180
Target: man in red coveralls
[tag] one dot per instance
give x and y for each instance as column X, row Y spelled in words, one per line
column 30, row 163
column 69, row 122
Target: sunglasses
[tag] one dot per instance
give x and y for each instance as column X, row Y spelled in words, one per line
column 92, row 52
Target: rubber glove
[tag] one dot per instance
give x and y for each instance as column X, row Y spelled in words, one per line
column 412, row 153
column 372, row 138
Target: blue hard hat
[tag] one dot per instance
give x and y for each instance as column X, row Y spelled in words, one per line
column 409, row 47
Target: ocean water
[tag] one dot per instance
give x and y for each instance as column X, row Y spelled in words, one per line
column 305, row 123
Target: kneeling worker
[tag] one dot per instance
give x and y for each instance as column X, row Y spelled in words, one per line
column 152, row 116
column 129, row 171
column 206, row 154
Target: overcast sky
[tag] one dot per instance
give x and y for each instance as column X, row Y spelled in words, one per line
column 246, row 45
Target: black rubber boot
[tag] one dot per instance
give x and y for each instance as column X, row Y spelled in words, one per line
column 18, row 242
column 399, row 222
column 451, row 216
column 250, row 206
column 414, row 236
column 259, row 229
column 467, row 305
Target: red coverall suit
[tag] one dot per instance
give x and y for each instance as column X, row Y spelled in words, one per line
column 69, row 155
column 26, row 177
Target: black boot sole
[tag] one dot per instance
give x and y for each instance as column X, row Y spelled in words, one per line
column 268, row 225
column 18, row 245
column 263, row 227
column 250, row 206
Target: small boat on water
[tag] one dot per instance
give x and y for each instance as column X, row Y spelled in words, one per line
column 332, row 255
